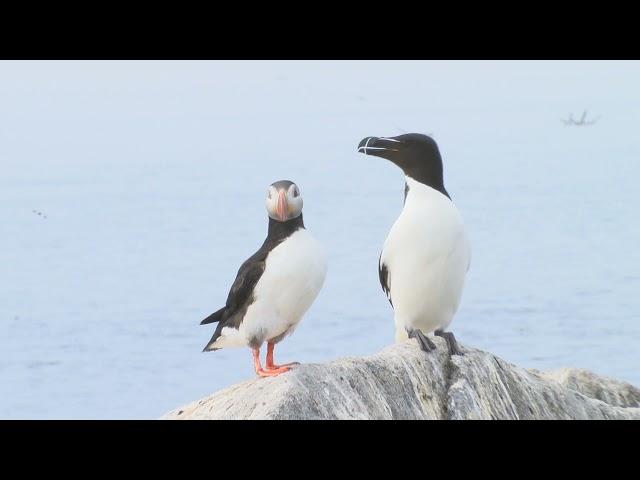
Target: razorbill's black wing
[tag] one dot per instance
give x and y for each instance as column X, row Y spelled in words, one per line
column 383, row 275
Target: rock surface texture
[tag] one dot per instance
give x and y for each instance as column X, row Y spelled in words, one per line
column 403, row 382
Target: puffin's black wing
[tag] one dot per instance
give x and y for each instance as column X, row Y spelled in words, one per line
column 241, row 292
column 383, row 274
column 240, row 297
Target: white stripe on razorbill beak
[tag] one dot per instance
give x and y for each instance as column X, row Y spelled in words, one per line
column 377, row 148
column 366, row 148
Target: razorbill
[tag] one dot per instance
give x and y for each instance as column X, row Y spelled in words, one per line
column 426, row 255
column 275, row 286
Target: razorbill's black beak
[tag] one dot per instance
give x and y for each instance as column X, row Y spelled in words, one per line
column 379, row 146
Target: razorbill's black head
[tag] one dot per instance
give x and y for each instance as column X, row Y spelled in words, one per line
column 283, row 201
column 417, row 155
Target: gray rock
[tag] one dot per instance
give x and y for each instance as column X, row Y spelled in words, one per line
column 402, row 382
column 613, row 392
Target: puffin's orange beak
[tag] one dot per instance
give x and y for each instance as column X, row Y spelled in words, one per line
column 282, row 208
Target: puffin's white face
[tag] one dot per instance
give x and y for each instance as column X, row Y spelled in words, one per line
column 283, row 201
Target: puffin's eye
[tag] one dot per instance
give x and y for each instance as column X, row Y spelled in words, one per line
column 296, row 192
column 269, row 193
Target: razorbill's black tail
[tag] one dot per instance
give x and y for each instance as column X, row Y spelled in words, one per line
column 214, row 317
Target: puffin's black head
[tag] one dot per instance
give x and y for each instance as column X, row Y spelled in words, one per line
column 416, row 154
column 283, row 201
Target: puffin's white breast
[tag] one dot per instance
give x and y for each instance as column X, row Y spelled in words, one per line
column 294, row 274
column 427, row 255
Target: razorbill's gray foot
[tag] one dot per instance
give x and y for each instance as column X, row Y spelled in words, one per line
column 426, row 345
column 454, row 349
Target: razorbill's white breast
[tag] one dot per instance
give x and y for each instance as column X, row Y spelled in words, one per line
column 275, row 286
column 426, row 255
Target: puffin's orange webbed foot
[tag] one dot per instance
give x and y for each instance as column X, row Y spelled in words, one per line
column 274, row 366
column 272, row 371
column 263, row 372
column 269, row 365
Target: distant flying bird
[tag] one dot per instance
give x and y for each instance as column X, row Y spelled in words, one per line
column 582, row 122
column 275, row 286
column 426, row 255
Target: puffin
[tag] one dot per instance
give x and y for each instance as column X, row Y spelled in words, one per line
column 275, row 286
column 427, row 254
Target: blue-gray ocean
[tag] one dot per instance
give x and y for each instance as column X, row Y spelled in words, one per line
column 152, row 178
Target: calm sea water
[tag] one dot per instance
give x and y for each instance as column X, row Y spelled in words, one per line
column 152, row 176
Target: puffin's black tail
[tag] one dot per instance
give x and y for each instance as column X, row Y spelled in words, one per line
column 209, row 346
column 214, row 317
